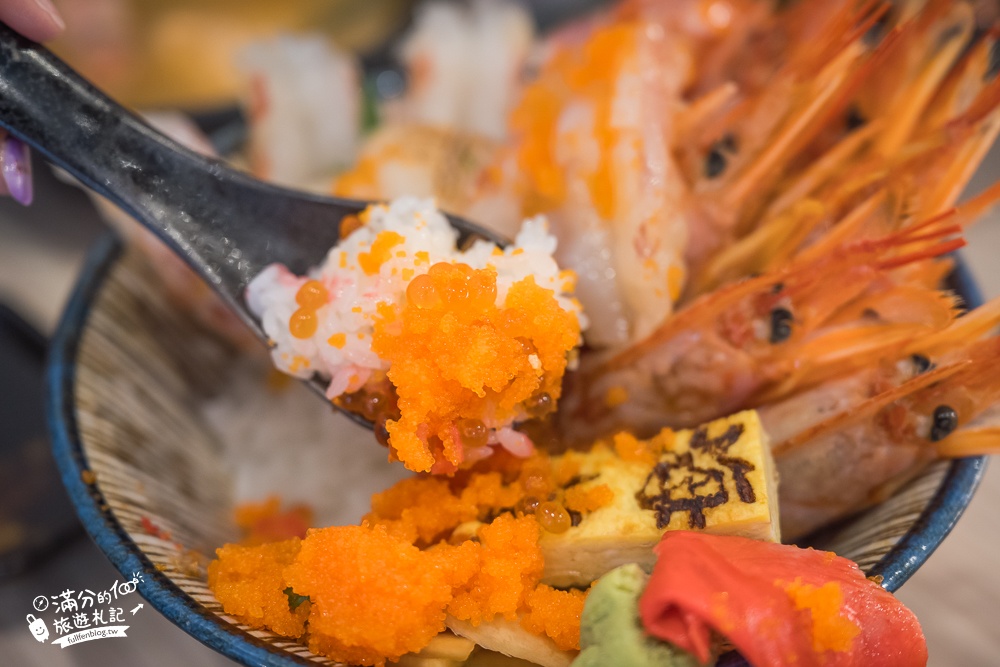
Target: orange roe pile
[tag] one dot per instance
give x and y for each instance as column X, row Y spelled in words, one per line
column 431, row 547
column 365, row 595
column 456, row 358
column 555, row 614
column 372, row 596
column 250, row 582
column 510, row 565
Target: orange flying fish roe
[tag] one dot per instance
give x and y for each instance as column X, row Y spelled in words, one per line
column 630, row 448
column 337, row 340
column 587, row 73
column 555, row 614
column 249, row 583
column 312, row 295
column 420, row 509
column 584, row 501
column 512, row 565
column 373, row 597
column 454, row 354
column 380, row 252
column 303, row 323
column 832, row 629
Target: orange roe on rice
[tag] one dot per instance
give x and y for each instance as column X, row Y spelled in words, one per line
column 380, row 252
column 373, row 597
column 249, row 581
column 511, row 565
column 455, row 355
column 420, row 509
column 555, row 614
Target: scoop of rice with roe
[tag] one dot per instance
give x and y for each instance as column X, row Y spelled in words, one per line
column 471, row 340
column 372, row 596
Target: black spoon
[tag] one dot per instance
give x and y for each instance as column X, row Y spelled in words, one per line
column 226, row 225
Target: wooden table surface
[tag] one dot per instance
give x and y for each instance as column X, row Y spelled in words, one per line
column 956, row 594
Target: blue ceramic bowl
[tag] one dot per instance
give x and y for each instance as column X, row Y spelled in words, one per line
column 126, row 377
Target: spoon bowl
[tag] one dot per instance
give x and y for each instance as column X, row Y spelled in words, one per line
column 227, row 225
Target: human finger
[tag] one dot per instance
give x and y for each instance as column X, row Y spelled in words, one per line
column 35, row 19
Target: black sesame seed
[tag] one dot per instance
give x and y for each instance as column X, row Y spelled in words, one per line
column 921, row 363
column 781, row 325
column 715, row 162
column 945, row 421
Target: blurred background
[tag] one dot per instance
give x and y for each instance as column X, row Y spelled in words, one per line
column 191, row 55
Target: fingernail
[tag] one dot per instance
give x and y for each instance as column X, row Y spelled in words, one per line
column 16, row 165
column 50, row 9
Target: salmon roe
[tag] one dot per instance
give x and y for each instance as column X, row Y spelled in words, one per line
column 303, row 323
column 312, row 295
column 422, row 293
column 553, row 517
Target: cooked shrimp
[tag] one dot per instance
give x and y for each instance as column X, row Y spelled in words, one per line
column 763, row 338
column 879, row 134
column 864, row 452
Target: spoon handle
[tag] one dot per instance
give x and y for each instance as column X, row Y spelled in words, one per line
column 226, row 225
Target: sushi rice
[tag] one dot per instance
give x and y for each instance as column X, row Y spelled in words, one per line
column 356, row 287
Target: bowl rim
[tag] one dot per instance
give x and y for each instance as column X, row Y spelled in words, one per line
column 97, row 518
column 900, row 563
